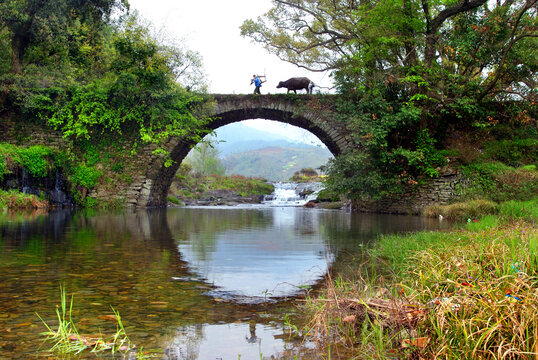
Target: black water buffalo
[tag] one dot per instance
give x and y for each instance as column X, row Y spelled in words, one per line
column 297, row 83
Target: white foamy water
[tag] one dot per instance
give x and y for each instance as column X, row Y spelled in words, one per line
column 293, row 194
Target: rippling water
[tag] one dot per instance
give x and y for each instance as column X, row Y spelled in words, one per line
column 189, row 283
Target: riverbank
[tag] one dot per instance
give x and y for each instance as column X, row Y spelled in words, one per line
column 467, row 293
column 188, row 189
column 14, row 200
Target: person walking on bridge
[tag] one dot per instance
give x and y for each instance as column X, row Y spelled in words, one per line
column 257, row 83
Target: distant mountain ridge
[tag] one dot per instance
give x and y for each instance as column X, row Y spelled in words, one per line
column 248, row 151
column 276, row 163
column 237, row 137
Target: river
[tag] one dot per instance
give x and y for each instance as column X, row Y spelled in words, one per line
column 189, row 283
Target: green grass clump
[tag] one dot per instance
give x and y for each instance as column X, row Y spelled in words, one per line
column 67, row 340
column 473, row 209
column 12, row 200
column 526, row 210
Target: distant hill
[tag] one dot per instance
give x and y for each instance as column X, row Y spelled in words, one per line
column 237, row 138
column 276, row 163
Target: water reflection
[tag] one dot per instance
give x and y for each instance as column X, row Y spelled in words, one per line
column 166, row 272
column 270, row 257
column 230, row 341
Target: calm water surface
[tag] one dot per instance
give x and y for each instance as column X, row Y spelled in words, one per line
column 189, row 283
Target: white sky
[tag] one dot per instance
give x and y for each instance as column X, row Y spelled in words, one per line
column 211, row 27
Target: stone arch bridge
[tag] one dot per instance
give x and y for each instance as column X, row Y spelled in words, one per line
column 314, row 113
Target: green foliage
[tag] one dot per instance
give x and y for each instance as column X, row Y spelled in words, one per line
column 393, row 154
column 37, row 160
column 498, row 182
column 355, row 175
column 514, row 152
column 14, row 200
column 174, row 200
column 91, row 77
column 204, row 159
column 85, row 176
column 49, row 43
column 409, row 72
column 139, row 95
column 434, row 51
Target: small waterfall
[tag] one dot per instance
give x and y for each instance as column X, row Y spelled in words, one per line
column 52, row 188
column 26, row 183
column 57, row 195
column 293, row 194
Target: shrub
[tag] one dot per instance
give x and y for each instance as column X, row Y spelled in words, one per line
column 498, row 182
column 16, row 200
column 37, row 160
column 513, row 152
column 174, row 200
column 85, row 176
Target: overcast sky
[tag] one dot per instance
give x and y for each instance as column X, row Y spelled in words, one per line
column 211, row 27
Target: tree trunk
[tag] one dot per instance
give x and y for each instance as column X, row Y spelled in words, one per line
column 17, row 53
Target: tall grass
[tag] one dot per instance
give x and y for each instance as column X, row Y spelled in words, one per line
column 526, row 210
column 463, row 210
column 469, row 293
column 66, row 331
column 477, row 209
column 15, row 200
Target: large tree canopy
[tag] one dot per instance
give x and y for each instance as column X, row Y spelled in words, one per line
column 45, row 24
column 487, row 47
column 411, row 71
column 91, row 68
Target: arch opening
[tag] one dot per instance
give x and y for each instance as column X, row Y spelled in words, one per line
column 233, row 109
column 258, row 148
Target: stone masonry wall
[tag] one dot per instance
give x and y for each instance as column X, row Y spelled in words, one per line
column 439, row 192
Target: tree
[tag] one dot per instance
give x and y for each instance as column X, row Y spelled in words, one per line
column 42, row 39
column 204, row 159
column 429, row 45
column 407, row 70
column 137, row 94
column 44, row 24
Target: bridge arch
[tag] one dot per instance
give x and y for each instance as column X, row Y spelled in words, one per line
column 313, row 113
